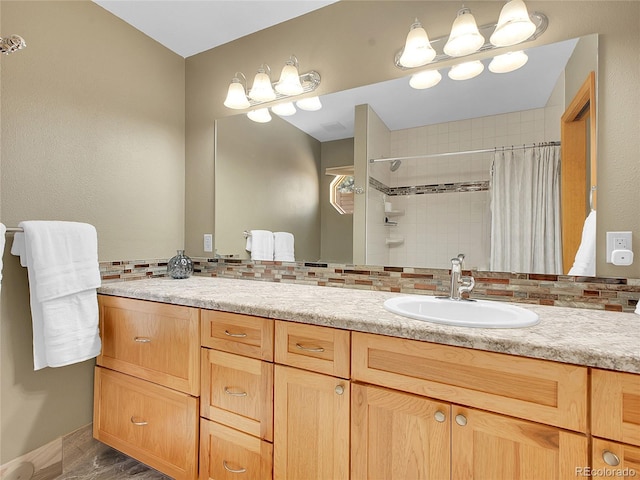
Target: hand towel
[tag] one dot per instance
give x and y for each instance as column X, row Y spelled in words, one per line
column 283, row 249
column 62, row 264
column 585, row 261
column 3, row 232
column 261, row 245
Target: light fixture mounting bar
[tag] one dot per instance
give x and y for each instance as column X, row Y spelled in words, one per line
column 540, row 20
column 310, row 81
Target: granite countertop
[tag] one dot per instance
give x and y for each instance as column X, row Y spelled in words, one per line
column 597, row 338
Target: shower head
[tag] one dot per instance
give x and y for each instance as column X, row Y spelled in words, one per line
column 395, row 165
column 11, row 44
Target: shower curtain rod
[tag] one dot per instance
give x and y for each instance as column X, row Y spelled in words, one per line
column 464, row 152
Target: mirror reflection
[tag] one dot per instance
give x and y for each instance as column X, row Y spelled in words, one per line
column 278, row 176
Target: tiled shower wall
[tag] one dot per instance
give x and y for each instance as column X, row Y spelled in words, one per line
column 436, row 227
column 613, row 294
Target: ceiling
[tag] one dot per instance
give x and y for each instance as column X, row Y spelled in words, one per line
column 188, row 27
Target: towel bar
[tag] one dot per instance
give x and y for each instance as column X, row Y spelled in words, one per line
column 14, row 229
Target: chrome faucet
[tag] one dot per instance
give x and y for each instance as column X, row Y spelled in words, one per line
column 459, row 283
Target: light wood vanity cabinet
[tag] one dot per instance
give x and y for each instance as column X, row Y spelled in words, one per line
column 147, row 383
column 501, row 412
column 615, row 420
column 311, row 402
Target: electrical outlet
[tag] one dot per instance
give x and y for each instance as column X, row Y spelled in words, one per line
column 618, row 241
column 208, row 242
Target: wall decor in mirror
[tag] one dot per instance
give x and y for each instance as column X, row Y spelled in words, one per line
column 425, row 174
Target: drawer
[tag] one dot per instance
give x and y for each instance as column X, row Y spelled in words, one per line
column 227, row 454
column 615, row 406
column 615, row 460
column 319, row 349
column 153, row 341
column 538, row 390
column 238, row 391
column 235, row 333
column 156, row 425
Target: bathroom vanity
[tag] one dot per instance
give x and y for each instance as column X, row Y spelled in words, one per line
column 221, row 379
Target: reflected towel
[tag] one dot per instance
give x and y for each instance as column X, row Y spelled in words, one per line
column 585, row 261
column 260, row 244
column 3, row 231
column 283, row 249
column 62, row 264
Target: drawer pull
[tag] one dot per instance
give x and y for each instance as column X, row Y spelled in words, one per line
column 139, row 424
column 232, row 470
column 339, row 389
column 461, row 420
column 235, row 335
column 142, row 339
column 610, row 458
column 234, row 394
column 310, row 349
column 440, row 416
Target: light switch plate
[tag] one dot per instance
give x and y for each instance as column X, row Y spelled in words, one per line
column 208, row 242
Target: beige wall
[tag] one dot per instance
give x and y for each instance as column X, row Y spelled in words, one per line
column 363, row 38
column 336, row 237
column 268, row 179
column 93, row 131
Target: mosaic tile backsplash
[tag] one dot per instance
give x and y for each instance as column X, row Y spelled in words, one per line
column 600, row 293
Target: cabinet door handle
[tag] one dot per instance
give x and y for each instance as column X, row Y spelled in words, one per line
column 235, row 335
column 232, row 470
column 310, row 349
column 461, row 420
column 440, row 416
column 339, row 389
column 142, row 339
column 139, row 424
column 234, row 394
column 610, row 458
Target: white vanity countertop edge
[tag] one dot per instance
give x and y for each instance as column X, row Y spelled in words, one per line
column 596, row 338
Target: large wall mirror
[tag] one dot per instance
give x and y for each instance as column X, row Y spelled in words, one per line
column 418, row 211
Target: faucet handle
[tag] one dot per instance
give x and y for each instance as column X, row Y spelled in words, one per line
column 466, row 284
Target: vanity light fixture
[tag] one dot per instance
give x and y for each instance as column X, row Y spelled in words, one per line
column 284, row 109
column 508, row 62
column 425, row 79
column 260, row 115
column 417, row 48
column 464, row 38
column 310, row 104
column 466, row 70
column 262, row 91
column 514, row 25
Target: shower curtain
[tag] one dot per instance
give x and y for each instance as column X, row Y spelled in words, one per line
column 525, row 210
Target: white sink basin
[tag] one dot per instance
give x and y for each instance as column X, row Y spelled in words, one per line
column 462, row 313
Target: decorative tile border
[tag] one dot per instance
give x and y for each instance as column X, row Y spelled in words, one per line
column 479, row 186
column 599, row 293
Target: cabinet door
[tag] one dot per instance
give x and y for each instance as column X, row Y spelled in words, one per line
column 615, row 398
column 493, row 447
column 226, row 454
column 615, row 460
column 311, row 426
column 397, row 436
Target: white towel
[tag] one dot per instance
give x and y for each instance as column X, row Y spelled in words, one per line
column 585, row 261
column 260, row 244
column 283, row 249
column 62, row 263
column 3, row 231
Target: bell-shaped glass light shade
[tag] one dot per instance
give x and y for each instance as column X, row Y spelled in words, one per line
column 508, row 62
column 289, row 83
column 261, row 90
column 464, row 38
column 514, row 25
column 466, row 70
column 417, row 49
column 260, row 115
column 426, row 79
column 236, row 96
column 285, row 109
column 311, row 104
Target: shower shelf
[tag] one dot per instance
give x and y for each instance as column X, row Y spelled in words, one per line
column 393, row 213
column 390, row 242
